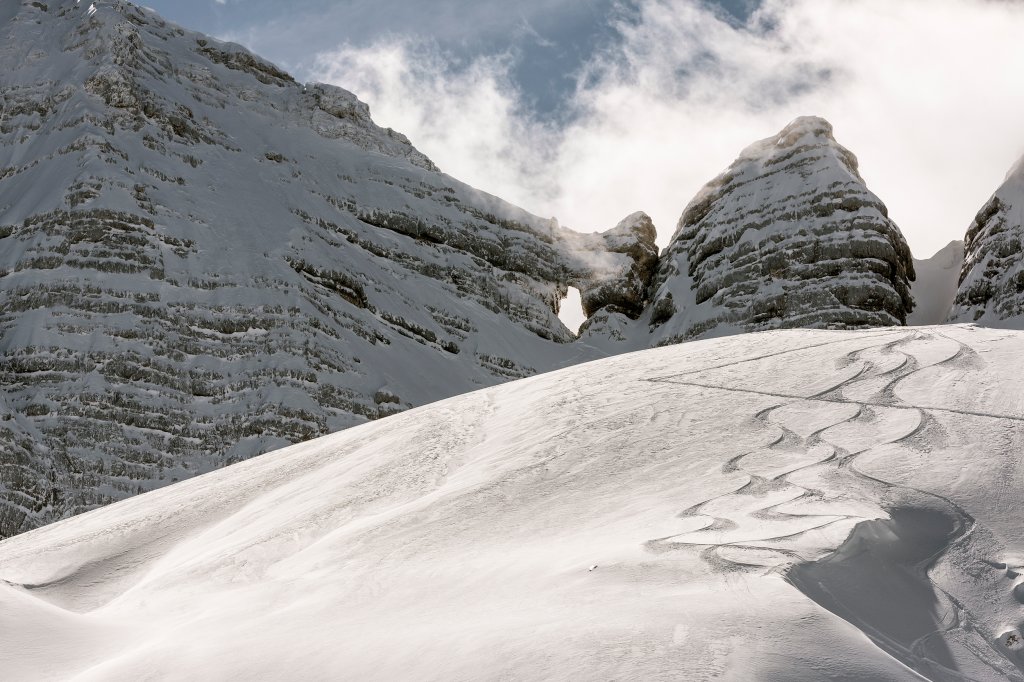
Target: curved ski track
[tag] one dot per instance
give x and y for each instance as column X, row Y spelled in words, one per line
column 765, row 494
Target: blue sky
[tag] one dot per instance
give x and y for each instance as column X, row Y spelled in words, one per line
column 588, row 110
column 551, row 39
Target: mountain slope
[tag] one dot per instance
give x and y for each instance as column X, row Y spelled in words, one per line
column 936, row 284
column 797, row 505
column 788, row 236
column 202, row 260
column 991, row 290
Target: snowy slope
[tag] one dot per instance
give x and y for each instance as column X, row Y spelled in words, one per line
column 679, row 513
column 202, row 260
column 788, row 236
column 936, row 284
column 991, row 290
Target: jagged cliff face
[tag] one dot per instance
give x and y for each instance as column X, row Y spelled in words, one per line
column 788, row 236
column 623, row 290
column 202, row 260
column 991, row 287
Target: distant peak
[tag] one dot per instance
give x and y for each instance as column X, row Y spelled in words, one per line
column 802, row 131
column 807, row 125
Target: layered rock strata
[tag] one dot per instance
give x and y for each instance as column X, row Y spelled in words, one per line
column 788, row 236
column 202, row 260
column 991, row 284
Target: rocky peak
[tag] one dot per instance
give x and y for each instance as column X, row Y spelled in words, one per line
column 802, row 133
column 991, row 286
column 787, row 236
column 202, row 260
column 620, row 285
column 336, row 113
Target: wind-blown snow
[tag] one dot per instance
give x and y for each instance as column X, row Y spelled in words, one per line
column 679, row 513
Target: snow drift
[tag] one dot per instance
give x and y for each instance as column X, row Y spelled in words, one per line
column 791, row 505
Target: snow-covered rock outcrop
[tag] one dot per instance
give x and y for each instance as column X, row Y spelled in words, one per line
column 788, row 236
column 202, row 260
column 623, row 290
column 797, row 505
column 991, row 290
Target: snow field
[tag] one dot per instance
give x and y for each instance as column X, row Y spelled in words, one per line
column 710, row 510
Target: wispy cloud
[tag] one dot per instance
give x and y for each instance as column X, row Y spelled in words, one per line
column 468, row 113
column 923, row 91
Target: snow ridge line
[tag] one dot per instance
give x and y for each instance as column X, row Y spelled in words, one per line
column 767, row 355
column 863, row 403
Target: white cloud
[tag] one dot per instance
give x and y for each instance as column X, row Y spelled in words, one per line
column 466, row 116
column 923, row 91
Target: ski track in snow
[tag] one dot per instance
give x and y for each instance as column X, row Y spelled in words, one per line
column 462, row 529
column 732, row 507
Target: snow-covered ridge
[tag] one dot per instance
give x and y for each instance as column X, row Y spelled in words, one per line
column 798, row 505
column 202, row 259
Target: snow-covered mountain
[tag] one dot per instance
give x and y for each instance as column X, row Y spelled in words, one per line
column 202, row 260
column 936, row 284
column 991, row 290
column 788, row 236
column 789, row 505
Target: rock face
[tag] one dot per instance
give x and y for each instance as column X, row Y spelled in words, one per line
column 622, row 290
column 202, row 260
column 991, row 290
column 788, row 236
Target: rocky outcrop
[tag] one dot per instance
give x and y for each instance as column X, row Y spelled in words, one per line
column 991, row 285
column 623, row 286
column 788, row 236
column 336, row 113
column 204, row 260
